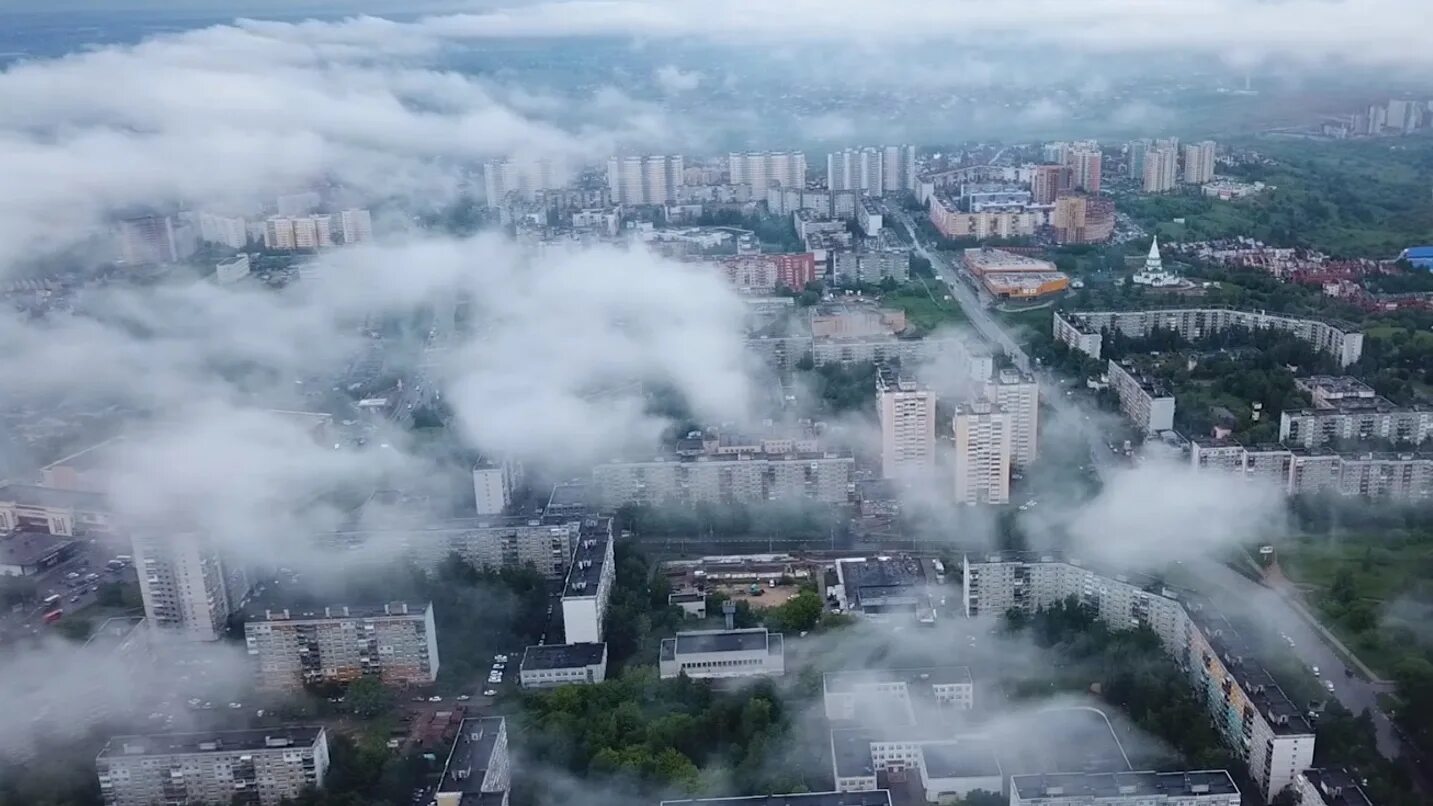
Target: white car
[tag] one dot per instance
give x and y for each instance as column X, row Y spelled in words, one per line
column 435, row 698
column 1315, row 670
column 500, row 658
column 490, row 693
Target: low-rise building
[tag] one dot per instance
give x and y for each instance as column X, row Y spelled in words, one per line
column 23, row 554
column 395, row 644
column 692, row 603
column 1145, row 400
column 263, row 766
column 58, row 511
column 878, row 797
column 1201, row 788
column 883, row 586
column 552, row 665
column 896, row 695
column 948, row 767
column 716, row 654
column 1330, row 787
column 478, row 770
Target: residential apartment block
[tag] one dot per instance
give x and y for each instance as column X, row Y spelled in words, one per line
column 1146, row 401
column 479, row 767
column 761, row 169
column 260, row 767
column 906, row 411
column 645, row 179
column 1390, row 475
column 1082, row 330
column 588, row 587
column 731, row 478
column 184, row 584
column 1330, row 787
column 714, row 654
column 1253, row 715
column 1356, row 420
column 1018, row 395
column 485, row 543
column 982, row 433
column 1199, row 162
column 395, row 644
column 1202, row 788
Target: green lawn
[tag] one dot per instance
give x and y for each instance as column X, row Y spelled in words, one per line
column 922, row 311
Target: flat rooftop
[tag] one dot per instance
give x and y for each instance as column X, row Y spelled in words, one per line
column 1076, row 739
column 960, row 758
column 366, row 611
column 838, row 682
column 748, row 640
column 471, row 754
column 166, row 744
column 563, row 656
column 1109, row 785
column 585, row 573
column 878, row 797
column 31, row 548
column 51, row 497
column 1337, row 787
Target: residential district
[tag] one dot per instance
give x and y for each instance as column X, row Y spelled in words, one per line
column 866, row 271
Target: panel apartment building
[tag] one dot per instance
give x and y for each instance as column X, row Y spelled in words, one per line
column 907, row 414
column 488, row 543
column 1356, row 418
column 260, row 767
column 589, row 584
column 982, row 433
column 1372, row 475
column 1018, row 395
column 184, row 584
column 395, row 644
column 747, row 478
column 1253, row 715
column 1082, row 329
column 1195, row 788
column 1143, row 399
column 479, row 767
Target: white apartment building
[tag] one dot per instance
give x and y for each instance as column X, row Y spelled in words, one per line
column 1253, row 715
column 523, row 178
column 230, row 231
column 982, row 453
column 1082, row 329
column 1085, row 163
column 259, row 767
column 907, row 415
column 898, row 170
column 479, row 766
column 1356, row 420
column 715, row 654
column 645, row 179
column 552, row 665
column 750, row 477
column 356, row 225
column 1018, row 395
column 395, row 644
column 858, row 169
column 1195, row 788
column 183, row 583
column 485, row 543
column 1161, row 169
column 892, row 693
column 307, row 232
column 493, row 482
column 151, row 239
column 589, row 584
column 1144, row 400
column 1199, row 162
column 760, row 169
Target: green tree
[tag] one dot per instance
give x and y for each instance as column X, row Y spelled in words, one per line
column 368, row 698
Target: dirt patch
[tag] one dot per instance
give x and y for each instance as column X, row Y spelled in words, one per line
column 770, row 597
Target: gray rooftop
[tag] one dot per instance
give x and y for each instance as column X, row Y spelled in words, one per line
column 335, row 612
column 563, row 656
column 31, row 548
column 471, row 754
column 960, row 758
column 52, row 497
column 747, row 640
column 585, row 572
column 1105, row 785
column 879, row 797
column 166, row 744
column 837, row 682
column 1337, row 787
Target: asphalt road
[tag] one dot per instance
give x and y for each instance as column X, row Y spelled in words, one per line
column 88, row 558
column 1355, row 692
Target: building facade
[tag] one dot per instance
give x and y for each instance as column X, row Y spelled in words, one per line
column 744, row 478
column 907, row 416
column 714, row 654
column 552, row 665
column 184, row 585
column 1081, row 329
column 761, row 169
column 1202, row 788
column 261, row 767
column 1018, row 395
column 395, row 644
column 1144, row 400
column 589, row 582
column 645, row 179
column 982, row 453
column 1199, row 162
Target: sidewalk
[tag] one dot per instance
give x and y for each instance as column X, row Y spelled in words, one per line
column 1274, row 579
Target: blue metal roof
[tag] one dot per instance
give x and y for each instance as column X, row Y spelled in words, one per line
column 1423, row 252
